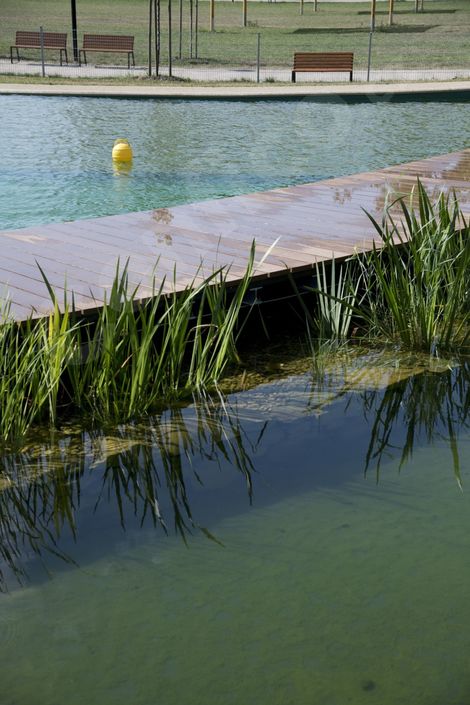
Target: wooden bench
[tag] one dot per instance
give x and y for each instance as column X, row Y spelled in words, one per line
column 32, row 40
column 123, row 44
column 323, row 61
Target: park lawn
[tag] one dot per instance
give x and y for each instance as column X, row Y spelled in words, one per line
column 438, row 37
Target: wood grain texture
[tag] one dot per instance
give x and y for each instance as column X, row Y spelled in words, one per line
column 181, row 245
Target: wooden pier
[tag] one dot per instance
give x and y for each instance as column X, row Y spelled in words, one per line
column 310, row 223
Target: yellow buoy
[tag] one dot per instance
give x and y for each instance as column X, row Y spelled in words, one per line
column 122, row 151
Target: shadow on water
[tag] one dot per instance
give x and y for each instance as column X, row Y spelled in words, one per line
column 140, row 472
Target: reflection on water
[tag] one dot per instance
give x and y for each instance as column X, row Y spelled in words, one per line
column 138, row 474
column 303, row 541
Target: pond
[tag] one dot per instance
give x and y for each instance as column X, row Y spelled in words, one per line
column 56, row 151
column 302, row 541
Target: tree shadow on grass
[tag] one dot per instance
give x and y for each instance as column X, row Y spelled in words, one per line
column 408, row 12
column 395, row 29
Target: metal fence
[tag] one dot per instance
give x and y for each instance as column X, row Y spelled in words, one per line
column 204, row 56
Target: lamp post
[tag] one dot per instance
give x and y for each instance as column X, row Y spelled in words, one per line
column 74, row 30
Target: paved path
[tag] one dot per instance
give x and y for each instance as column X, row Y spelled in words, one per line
column 234, row 73
column 243, row 91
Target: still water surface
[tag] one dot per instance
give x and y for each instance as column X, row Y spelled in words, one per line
column 307, row 542
column 56, row 152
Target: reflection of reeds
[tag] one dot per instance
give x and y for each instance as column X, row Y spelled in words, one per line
column 134, row 358
column 425, row 407
column 145, row 471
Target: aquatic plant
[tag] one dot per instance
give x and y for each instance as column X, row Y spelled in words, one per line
column 135, row 356
column 337, row 294
column 417, row 279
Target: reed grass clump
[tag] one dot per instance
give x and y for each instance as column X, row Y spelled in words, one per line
column 135, row 356
column 412, row 288
column 417, row 282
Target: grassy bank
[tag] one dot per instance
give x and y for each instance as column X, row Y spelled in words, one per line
column 438, row 37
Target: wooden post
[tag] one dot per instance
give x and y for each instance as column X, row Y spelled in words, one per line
column 157, row 8
column 245, row 12
column 180, row 43
column 211, row 15
column 372, row 14
column 150, row 39
column 301, row 7
column 191, row 28
column 196, row 28
column 170, row 60
column 390, row 12
column 416, row 5
column 315, row 5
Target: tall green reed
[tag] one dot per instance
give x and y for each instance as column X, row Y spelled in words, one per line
column 417, row 280
column 135, row 356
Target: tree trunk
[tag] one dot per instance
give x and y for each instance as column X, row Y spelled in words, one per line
column 170, row 64
column 372, row 15
column 157, row 36
column 150, row 39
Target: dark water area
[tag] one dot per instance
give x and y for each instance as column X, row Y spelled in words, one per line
column 302, row 541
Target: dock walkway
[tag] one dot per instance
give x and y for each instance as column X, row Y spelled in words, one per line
column 310, row 222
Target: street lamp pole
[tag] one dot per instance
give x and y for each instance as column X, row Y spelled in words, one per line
column 74, row 30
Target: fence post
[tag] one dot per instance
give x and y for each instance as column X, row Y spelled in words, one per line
column 150, row 39
column 41, row 39
column 369, row 56
column 196, row 28
column 258, row 53
column 170, row 58
column 180, row 28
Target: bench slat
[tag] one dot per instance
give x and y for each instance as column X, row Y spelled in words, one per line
column 322, row 62
column 108, row 42
column 32, row 40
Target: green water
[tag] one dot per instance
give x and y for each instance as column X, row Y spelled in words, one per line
column 327, row 525
column 56, row 152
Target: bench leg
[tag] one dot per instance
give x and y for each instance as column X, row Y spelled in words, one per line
column 350, row 76
column 11, row 54
column 133, row 60
column 60, row 56
column 66, row 57
column 128, row 60
column 293, row 76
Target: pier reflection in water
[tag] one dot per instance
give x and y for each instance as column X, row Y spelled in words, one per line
column 301, row 541
column 182, row 471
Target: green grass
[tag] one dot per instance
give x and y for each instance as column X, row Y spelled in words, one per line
column 439, row 37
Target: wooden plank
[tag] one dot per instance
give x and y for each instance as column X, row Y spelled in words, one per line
column 309, row 223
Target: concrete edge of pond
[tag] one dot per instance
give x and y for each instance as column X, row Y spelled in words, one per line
column 236, row 92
